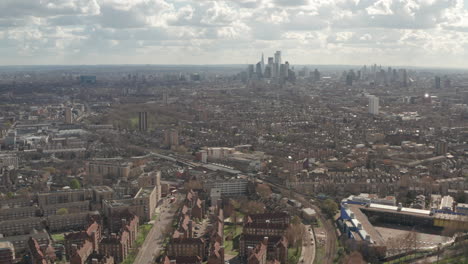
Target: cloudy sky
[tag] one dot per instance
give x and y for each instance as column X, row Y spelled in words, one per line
column 388, row 32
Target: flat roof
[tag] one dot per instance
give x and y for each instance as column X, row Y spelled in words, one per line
column 309, row 211
column 367, row 227
column 403, row 209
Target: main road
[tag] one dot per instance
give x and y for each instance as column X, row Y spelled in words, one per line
column 152, row 246
column 308, row 246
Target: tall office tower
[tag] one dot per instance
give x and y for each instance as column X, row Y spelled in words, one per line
column 262, row 63
column 278, row 57
column 405, row 78
column 258, row 70
column 142, row 121
column 373, row 105
column 68, row 115
column 267, row 73
column 250, row 71
column 271, row 64
column 437, row 82
column 277, row 63
column 394, row 75
column 349, row 79
column 286, row 66
column 316, row 75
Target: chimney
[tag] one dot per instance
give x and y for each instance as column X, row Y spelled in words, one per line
column 124, row 222
column 359, row 226
column 265, row 240
column 351, row 215
column 190, row 228
column 94, row 261
column 400, row 206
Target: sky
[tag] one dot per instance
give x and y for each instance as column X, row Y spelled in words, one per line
column 353, row 32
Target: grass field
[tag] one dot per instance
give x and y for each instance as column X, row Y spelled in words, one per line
column 458, row 260
column 319, row 255
column 58, row 237
column 294, row 254
column 233, row 231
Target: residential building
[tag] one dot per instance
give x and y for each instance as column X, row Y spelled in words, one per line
column 7, row 252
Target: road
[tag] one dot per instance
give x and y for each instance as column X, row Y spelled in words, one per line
column 153, row 242
column 331, row 238
column 308, row 247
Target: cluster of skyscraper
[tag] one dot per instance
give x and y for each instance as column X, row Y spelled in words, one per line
column 274, row 69
column 378, row 75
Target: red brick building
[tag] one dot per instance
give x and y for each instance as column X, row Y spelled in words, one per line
column 258, row 254
column 92, row 233
column 80, row 254
column 188, row 247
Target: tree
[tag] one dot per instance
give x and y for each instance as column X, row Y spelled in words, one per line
column 75, row 184
column 263, row 190
column 295, row 233
column 236, row 204
column 50, row 170
column 253, row 207
column 10, row 195
column 329, row 207
column 460, row 197
column 62, row 211
column 193, row 185
column 354, row 258
column 296, row 220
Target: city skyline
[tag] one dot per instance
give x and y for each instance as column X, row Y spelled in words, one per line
column 165, row 32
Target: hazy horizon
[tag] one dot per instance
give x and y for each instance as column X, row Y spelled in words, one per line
column 418, row 33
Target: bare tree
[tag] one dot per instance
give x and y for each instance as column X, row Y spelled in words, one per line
column 263, row 190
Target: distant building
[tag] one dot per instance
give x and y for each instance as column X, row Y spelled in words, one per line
column 97, row 170
column 316, row 75
column 229, row 188
column 441, row 148
column 69, row 115
column 446, row 204
column 373, row 105
column 8, row 160
column 437, row 82
column 142, row 121
column 87, row 79
column 171, row 138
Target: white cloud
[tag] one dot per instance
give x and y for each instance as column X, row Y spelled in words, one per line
column 233, row 31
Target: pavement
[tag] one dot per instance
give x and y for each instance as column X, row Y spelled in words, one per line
column 152, row 246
